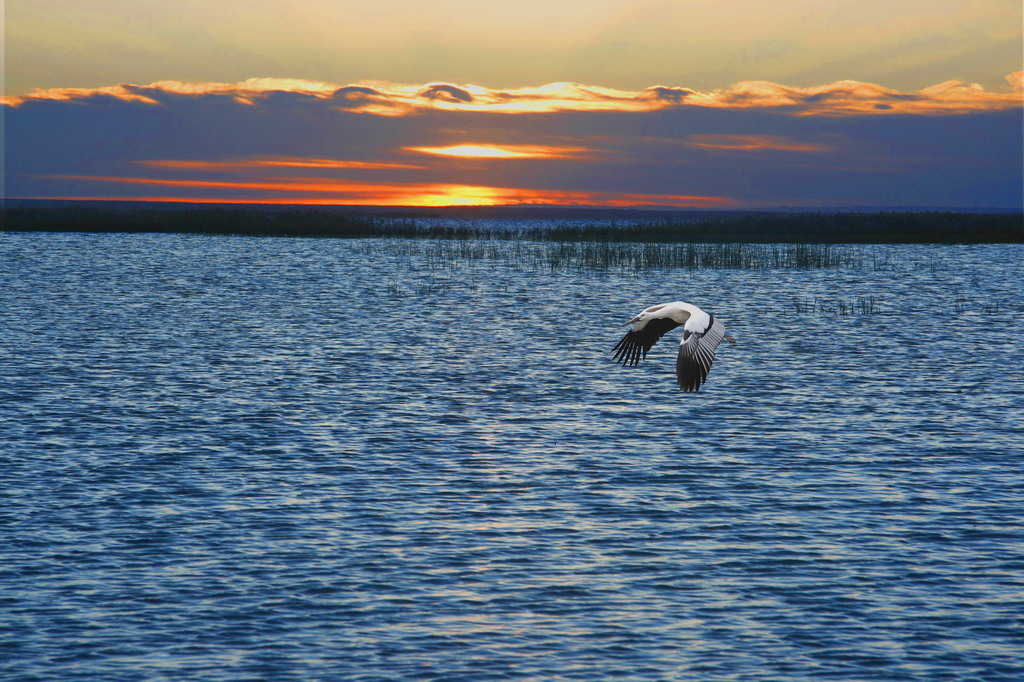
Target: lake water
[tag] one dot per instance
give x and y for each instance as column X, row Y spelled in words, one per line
column 229, row 458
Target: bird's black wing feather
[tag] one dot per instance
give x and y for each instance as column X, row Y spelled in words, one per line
column 696, row 353
column 634, row 345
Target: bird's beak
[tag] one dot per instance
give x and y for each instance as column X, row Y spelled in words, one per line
column 631, row 321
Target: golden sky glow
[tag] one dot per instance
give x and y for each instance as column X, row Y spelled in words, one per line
column 495, row 151
column 625, row 44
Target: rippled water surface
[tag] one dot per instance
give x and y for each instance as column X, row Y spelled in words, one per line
column 243, row 458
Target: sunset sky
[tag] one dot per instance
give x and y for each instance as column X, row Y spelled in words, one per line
column 597, row 102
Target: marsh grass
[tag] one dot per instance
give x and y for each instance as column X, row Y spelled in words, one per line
column 839, row 307
column 623, row 257
column 421, row 289
column 961, row 303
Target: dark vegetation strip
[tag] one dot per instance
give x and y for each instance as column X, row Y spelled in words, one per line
column 814, row 228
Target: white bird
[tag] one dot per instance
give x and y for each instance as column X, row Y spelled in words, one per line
column 701, row 335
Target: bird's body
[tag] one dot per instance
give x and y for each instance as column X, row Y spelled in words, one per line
column 701, row 335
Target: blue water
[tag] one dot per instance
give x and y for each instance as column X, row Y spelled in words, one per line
column 229, row 458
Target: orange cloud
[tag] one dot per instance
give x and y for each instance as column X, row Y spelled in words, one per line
column 125, row 93
column 845, row 97
column 753, row 143
column 508, row 151
column 855, row 97
column 281, row 162
column 355, row 193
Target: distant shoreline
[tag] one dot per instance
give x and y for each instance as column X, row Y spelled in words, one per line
column 576, row 224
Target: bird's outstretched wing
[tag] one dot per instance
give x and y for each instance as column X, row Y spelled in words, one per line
column 634, row 345
column 696, row 353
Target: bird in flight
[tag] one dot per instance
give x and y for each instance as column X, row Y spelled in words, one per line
column 701, row 335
